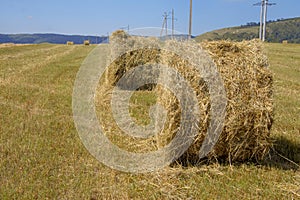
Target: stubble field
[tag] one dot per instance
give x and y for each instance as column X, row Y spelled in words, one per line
column 42, row 157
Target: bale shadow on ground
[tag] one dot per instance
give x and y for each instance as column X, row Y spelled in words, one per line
column 285, row 154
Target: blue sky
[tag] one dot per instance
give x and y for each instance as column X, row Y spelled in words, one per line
column 98, row 17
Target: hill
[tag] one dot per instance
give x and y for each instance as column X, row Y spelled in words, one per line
column 62, row 39
column 277, row 31
column 49, row 38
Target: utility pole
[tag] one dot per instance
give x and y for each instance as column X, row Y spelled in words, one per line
column 166, row 20
column 263, row 18
column 191, row 15
column 173, row 25
column 165, row 24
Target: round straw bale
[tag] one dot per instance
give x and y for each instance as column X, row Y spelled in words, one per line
column 247, row 81
column 249, row 113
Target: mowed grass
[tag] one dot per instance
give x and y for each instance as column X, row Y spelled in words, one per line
column 285, row 64
column 42, row 157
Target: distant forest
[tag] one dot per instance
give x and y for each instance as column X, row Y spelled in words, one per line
column 249, row 24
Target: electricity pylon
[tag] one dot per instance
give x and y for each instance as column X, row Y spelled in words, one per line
column 165, row 24
column 263, row 18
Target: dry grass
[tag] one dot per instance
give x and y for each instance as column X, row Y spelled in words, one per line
column 3, row 45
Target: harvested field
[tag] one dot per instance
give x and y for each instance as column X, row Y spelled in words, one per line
column 2, row 45
column 42, row 157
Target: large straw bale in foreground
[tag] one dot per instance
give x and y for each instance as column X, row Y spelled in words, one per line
column 248, row 84
column 249, row 112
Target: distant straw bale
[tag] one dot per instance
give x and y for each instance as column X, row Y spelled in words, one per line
column 70, row 43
